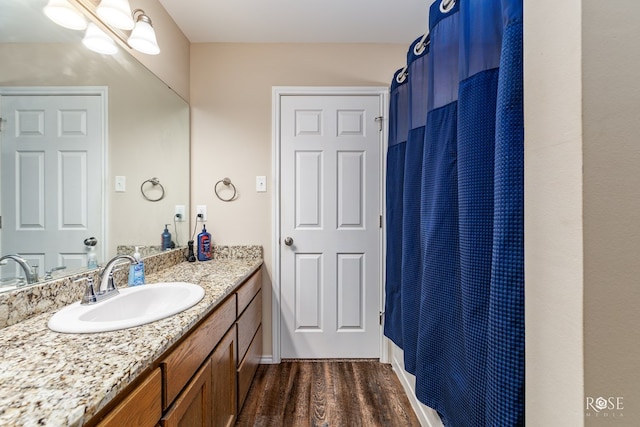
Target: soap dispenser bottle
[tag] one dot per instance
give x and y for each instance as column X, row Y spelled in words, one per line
column 166, row 238
column 136, row 271
column 204, row 245
column 92, row 257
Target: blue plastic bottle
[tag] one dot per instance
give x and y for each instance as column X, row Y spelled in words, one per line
column 204, row 245
column 166, row 238
column 136, row 271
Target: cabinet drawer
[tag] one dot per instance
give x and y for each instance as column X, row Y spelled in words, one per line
column 142, row 407
column 182, row 363
column 248, row 324
column 248, row 367
column 248, row 290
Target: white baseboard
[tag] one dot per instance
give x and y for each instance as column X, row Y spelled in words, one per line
column 427, row 416
column 266, row 360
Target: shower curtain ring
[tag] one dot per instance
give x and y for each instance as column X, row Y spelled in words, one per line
column 447, row 5
column 421, row 46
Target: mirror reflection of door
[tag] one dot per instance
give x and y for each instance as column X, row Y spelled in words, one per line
column 52, row 178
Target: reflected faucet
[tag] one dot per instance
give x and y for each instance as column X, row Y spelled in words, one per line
column 30, row 276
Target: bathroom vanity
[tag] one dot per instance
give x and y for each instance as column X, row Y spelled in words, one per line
column 194, row 368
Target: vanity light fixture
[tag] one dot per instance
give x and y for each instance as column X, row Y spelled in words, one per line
column 65, row 14
column 143, row 38
column 98, row 41
column 116, row 13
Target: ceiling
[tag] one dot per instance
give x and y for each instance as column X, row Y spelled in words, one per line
column 301, row 21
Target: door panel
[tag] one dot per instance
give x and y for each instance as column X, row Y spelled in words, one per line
column 330, row 204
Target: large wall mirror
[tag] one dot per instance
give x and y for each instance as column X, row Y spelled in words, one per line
column 145, row 136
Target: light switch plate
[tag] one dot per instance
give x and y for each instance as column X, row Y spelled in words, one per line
column 121, row 184
column 261, row 184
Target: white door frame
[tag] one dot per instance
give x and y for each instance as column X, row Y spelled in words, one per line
column 277, row 93
column 102, row 92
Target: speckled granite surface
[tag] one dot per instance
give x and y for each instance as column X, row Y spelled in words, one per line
column 53, row 379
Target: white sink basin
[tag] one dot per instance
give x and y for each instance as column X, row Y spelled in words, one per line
column 132, row 307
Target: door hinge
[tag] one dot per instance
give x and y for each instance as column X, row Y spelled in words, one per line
column 380, row 120
column 380, row 222
column 381, row 314
column 1, row 120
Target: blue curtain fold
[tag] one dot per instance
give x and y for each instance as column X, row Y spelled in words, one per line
column 397, row 144
column 411, row 267
column 462, row 281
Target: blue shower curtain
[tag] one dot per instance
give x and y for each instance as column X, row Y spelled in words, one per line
column 397, row 144
column 462, row 294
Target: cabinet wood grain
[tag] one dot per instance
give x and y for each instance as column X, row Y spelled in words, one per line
column 191, row 408
column 248, row 367
column 223, row 382
column 142, row 407
column 249, row 290
column 248, row 324
column 182, row 363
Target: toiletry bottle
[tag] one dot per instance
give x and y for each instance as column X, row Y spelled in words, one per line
column 136, row 271
column 166, row 238
column 204, row 245
column 92, row 258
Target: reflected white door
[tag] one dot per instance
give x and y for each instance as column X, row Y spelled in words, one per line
column 330, row 207
column 51, row 149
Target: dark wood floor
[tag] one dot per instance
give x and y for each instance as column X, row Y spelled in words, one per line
column 327, row 393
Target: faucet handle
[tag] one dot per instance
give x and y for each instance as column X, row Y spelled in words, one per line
column 111, row 285
column 89, row 296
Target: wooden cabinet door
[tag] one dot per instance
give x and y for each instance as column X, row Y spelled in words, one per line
column 192, row 407
column 141, row 408
column 223, row 381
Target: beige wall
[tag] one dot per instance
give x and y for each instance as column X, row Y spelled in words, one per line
column 231, row 121
column 553, row 213
column 611, row 145
column 582, row 209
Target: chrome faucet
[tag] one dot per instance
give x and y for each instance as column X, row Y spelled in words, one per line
column 29, row 275
column 107, row 287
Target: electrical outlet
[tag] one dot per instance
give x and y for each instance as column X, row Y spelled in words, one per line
column 201, row 210
column 179, row 213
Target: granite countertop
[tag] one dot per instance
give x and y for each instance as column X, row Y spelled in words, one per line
column 54, row 379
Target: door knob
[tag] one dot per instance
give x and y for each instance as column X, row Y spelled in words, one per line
column 288, row 241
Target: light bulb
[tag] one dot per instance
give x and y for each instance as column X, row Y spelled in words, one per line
column 143, row 38
column 98, row 41
column 116, row 13
column 64, row 14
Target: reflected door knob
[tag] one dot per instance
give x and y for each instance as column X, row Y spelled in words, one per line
column 288, row 241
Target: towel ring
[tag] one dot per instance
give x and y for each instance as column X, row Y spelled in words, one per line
column 227, row 182
column 154, row 181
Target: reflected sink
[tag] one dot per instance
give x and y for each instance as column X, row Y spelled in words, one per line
column 134, row 306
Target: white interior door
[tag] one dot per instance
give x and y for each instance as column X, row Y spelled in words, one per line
column 52, row 201
column 330, row 210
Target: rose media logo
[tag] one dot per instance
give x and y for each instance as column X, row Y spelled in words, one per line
column 609, row 407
